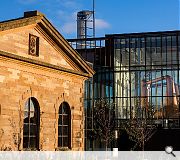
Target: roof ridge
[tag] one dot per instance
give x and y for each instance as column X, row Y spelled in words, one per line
column 32, row 13
column 19, row 22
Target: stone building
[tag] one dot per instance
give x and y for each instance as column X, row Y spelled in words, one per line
column 42, row 84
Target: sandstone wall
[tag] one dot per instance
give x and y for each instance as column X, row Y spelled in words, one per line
column 20, row 81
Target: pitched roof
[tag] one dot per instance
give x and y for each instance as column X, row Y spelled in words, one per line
column 35, row 17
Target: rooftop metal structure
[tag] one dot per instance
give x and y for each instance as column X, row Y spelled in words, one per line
column 85, row 26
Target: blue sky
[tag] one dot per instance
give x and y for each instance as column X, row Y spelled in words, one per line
column 112, row 16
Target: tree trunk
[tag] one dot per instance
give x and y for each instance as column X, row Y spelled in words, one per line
column 142, row 141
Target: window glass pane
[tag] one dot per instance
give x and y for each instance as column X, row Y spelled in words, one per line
column 148, row 51
column 26, row 107
column 164, row 50
column 60, row 120
column 31, row 124
column 174, row 50
column 26, row 129
column 179, row 48
column 60, row 130
column 168, row 58
column 33, row 142
column 63, row 109
column 31, row 106
column 60, row 142
column 32, row 114
column 26, row 115
column 65, row 141
column 65, row 130
column 33, row 129
column 65, row 120
column 33, row 119
column 124, row 53
column 64, row 125
column 25, row 142
column 156, row 51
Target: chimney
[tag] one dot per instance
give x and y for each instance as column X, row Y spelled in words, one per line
column 32, row 13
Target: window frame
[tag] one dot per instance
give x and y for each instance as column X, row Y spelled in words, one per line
column 31, row 133
column 66, row 115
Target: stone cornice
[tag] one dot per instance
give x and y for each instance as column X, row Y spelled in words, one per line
column 43, row 64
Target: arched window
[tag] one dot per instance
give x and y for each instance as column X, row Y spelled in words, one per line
column 64, row 126
column 31, row 124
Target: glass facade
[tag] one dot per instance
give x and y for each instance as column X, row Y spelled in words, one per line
column 100, row 86
column 134, row 71
column 146, row 74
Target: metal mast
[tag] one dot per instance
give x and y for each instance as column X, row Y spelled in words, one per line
column 85, row 26
column 94, row 19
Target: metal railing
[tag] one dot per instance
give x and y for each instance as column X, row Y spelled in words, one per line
column 171, row 123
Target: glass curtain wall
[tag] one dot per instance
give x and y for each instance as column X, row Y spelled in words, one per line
column 97, row 53
column 135, row 72
column 146, row 75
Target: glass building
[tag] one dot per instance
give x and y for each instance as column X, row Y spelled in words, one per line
column 139, row 70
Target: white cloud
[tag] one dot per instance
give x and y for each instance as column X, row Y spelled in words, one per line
column 101, row 24
column 66, row 16
column 69, row 27
column 69, row 22
column 62, row 15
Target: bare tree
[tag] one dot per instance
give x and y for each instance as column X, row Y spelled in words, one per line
column 17, row 129
column 140, row 128
column 16, row 134
column 104, row 120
